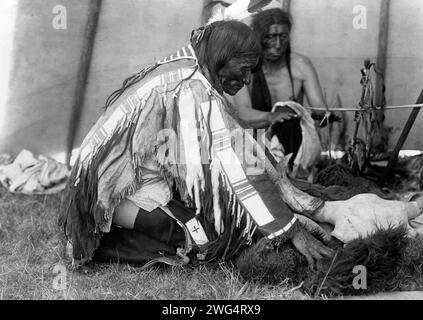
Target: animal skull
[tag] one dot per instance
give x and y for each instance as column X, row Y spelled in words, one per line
column 356, row 217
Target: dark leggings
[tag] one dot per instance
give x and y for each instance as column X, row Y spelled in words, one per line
column 155, row 235
column 158, row 225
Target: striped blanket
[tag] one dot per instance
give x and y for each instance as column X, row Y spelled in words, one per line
column 175, row 117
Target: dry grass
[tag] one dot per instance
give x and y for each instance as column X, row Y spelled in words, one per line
column 32, row 245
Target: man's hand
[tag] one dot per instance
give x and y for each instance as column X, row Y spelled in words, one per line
column 275, row 117
column 321, row 116
column 310, row 247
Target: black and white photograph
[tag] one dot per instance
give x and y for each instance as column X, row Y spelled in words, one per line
column 211, row 156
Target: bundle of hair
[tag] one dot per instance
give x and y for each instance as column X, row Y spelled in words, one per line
column 270, row 263
column 336, row 174
column 341, row 183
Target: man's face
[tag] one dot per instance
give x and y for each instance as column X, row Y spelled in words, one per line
column 234, row 74
column 276, row 42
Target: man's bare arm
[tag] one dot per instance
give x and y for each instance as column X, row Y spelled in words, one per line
column 252, row 117
column 313, row 90
column 312, row 87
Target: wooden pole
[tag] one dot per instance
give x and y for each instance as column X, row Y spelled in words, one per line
column 83, row 72
column 381, row 137
column 286, row 5
column 381, row 52
column 404, row 134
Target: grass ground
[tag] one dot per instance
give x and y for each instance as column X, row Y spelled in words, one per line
column 33, row 265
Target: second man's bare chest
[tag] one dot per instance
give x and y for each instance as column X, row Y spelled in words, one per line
column 280, row 86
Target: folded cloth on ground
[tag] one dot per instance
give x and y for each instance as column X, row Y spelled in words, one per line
column 30, row 175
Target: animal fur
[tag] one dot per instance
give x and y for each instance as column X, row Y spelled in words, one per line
column 392, row 262
column 380, row 254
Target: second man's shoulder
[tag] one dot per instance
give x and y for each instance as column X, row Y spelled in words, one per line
column 302, row 64
column 300, row 60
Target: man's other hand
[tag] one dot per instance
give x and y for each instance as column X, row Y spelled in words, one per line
column 321, row 116
column 310, row 247
column 275, row 117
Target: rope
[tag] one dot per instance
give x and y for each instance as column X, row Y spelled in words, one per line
column 405, row 106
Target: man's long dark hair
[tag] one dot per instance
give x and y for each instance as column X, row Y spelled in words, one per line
column 214, row 45
column 221, row 41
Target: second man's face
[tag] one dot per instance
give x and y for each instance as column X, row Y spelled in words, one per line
column 276, row 42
